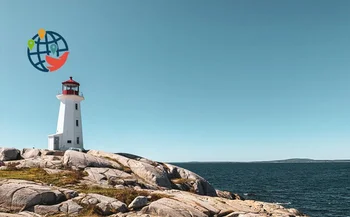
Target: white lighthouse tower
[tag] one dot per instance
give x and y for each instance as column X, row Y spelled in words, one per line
column 69, row 132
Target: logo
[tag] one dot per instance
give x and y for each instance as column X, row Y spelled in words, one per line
column 47, row 51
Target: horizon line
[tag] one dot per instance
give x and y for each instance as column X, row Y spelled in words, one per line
column 302, row 160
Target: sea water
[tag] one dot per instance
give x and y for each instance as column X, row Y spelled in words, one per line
column 316, row 189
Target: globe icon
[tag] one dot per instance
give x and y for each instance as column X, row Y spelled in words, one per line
column 47, row 49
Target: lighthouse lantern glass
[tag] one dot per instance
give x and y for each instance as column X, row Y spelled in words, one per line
column 70, row 89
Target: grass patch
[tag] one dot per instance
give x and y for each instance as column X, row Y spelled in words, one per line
column 40, row 175
column 124, row 195
column 89, row 210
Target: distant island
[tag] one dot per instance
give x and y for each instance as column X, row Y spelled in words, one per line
column 302, row 160
column 291, row 160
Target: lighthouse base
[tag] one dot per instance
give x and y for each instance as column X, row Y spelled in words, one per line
column 56, row 142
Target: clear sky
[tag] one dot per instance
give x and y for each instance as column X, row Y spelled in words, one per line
column 185, row 80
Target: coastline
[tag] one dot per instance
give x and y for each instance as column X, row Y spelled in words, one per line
column 106, row 184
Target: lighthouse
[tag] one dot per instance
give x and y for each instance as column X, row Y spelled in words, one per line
column 69, row 132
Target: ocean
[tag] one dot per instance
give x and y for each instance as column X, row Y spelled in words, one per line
column 316, row 189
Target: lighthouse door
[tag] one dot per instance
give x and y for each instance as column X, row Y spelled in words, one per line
column 56, row 143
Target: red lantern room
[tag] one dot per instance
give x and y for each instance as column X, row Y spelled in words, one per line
column 70, row 87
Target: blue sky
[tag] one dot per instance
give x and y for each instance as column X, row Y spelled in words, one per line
column 186, row 80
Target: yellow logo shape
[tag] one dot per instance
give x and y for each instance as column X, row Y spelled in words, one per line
column 41, row 33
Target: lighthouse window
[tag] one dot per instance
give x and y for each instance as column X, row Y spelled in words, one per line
column 69, row 141
column 77, row 123
column 76, row 106
column 78, row 140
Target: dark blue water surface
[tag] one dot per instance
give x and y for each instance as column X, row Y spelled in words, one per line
column 317, row 189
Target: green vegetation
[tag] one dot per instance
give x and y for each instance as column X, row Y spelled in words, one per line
column 124, row 195
column 89, row 210
column 73, row 177
column 63, row 178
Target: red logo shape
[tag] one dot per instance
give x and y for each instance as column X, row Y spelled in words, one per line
column 56, row 63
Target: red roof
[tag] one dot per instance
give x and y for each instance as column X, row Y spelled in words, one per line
column 70, row 81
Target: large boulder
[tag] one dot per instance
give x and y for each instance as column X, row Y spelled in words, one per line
column 180, row 203
column 17, row 195
column 82, row 160
column 106, row 175
column 67, row 207
column 105, row 205
column 9, row 154
column 30, row 153
column 200, row 185
column 51, row 152
column 52, row 162
column 115, row 157
column 138, row 202
column 20, row 214
column 173, row 208
column 228, row 195
column 150, row 171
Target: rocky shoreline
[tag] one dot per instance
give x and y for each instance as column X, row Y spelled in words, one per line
column 37, row 182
